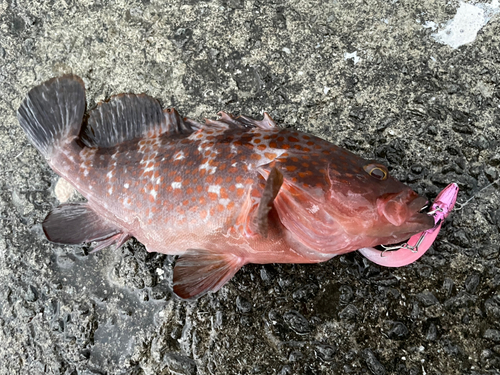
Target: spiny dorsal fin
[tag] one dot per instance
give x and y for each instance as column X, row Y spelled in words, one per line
column 199, row 271
column 128, row 116
column 229, row 121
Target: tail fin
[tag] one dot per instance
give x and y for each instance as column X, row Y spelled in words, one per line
column 52, row 113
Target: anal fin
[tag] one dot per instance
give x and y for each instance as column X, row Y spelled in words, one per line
column 76, row 223
column 199, row 271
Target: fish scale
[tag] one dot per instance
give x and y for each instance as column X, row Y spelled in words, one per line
column 222, row 194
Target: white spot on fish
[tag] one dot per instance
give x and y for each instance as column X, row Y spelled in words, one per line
column 224, row 201
column 214, row 189
column 86, row 172
column 126, row 186
column 110, row 190
column 208, row 168
column 153, row 193
column 176, row 185
column 239, row 186
column 109, row 174
column 179, row 155
column 313, row 209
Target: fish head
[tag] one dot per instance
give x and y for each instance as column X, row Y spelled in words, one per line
column 368, row 202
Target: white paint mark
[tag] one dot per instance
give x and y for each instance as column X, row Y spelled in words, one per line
column 463, row 28
column 126, row 186
column 176, row 185
column 430, row 25
column 353, row 56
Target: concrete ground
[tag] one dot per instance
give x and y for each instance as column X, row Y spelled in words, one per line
column 367, row 75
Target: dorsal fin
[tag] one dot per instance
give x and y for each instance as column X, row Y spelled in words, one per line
column 128, row 116
column 228, row 121
column 51, row 114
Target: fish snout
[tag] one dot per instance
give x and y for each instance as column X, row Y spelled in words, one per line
column 404, row 207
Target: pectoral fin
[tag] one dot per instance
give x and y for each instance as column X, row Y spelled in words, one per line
column 72, row 224
column 271, row 190
column 200, row 271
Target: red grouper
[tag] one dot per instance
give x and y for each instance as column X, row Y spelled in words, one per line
column 220, row 194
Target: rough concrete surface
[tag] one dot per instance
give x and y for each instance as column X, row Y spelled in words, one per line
column 430, row 112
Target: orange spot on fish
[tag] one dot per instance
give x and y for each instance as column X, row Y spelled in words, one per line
column 255, row 157
column 270, row 155
column 213, row 196
column 220, row 208
column 223, row 193
column 291, row 168
column 203, row 214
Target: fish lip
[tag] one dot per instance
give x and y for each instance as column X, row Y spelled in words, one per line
column 415, row 206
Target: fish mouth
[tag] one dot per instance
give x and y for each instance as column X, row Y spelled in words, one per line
column 419, row 218
column 403, row 210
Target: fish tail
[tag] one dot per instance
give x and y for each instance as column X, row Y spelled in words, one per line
column 52, row 113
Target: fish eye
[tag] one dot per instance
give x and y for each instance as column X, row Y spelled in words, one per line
column 377, row 171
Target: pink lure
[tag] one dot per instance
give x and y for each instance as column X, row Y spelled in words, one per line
column 419, row 243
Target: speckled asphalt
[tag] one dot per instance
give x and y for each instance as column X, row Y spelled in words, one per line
column 430, row 112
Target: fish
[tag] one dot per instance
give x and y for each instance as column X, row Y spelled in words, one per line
column 218, row 194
